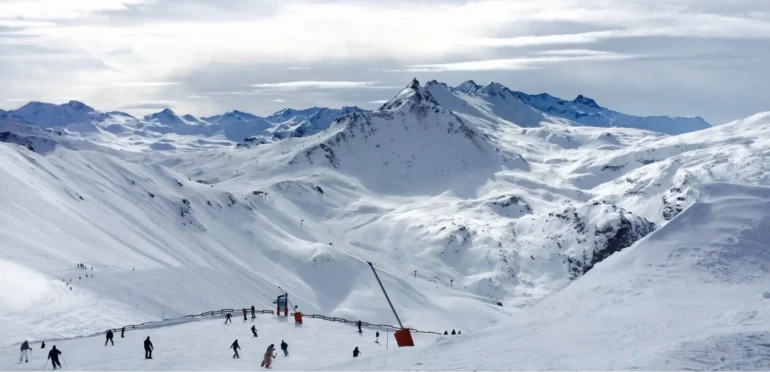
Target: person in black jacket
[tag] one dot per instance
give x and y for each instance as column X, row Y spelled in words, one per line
column 356, row 352
column 53, row 355
column 122, row 331
column 148, row 348
column 254, row 330
column 453, row 332
column 253, row 312
column 109, row 338
column 285, row 348
column 227, row 318
column 235, row 348
column 358, row 323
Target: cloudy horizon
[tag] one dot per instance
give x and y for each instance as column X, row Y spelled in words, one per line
column 675, row 57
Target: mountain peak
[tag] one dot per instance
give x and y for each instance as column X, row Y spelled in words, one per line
column 468, row 86
column 79, row 106
column 585, row 101
column 412, row 94
column 493, row 88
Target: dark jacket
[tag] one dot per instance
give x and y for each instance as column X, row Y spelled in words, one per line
column 54, row 354
column 109, row 334
column 148, row 344
column 235, row 345
column 25, row 346
column 284, row 345
column 356, row 352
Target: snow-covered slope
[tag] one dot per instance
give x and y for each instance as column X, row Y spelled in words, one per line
column 691, row 296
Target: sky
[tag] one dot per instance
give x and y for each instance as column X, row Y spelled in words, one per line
column 644, row 57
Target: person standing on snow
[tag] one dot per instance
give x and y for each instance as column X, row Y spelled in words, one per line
column 377, row 337
column 268, row 359
column 227, row 318
column 25, row 352
column 358, row 323
column 244, row 314
column 254, row 330
column 109, row 338
column 53, row 355
column 285, row 348
column 235, row 348
column 122, row 331
column 356, row 352
column 148, row 348
column 453, row 332
column 253, row 312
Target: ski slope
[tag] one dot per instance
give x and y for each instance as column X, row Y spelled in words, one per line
column 203, row 346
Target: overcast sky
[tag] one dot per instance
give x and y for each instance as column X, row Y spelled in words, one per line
column 674, row 57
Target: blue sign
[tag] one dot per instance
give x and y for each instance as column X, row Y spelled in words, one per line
column 282, row 302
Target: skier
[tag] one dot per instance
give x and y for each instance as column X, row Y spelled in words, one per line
column 42, row 346
column 268, row 359
column 227, row 318
column 244, row 314
column 148, row 348
column 358, row 323
column 253, row 312
column 109, row 338
column 254, row 330
column 446, row 333
column 122, row 331
column 356, row 352
column 25, row 352
column 54, row 356
column 453, row 332
column 377, row 337
column 235, row 348
column 285, row 348
column 459, row 332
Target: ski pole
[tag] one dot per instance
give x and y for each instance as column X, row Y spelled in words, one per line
column 65, row 362
column 46, row 364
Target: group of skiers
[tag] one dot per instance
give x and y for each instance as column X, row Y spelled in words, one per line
column 53, row 355
column 228, row 316
column 84, row 267
column 453, row 332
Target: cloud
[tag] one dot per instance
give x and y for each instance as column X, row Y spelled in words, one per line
column 278, row 100
column 142, row 84
column 295, row 85
column 379, row 101
column 522, row 63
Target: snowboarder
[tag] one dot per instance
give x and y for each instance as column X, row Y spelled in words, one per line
column 244, row 314
column 53, row 355
column 285, row 348
column 358, row 323
column 109, row 338
column 253, row 312
column 453, row 332
column 356, row 352
column 235, row 348
column 148, row 348
column 254, row 330
column 25, row 349
column 377, row 337
column 227, row 318
column 268, row 359
column 122, row 331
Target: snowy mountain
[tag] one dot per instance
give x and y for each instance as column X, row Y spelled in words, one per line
column 48, row 115
column 464, row 199
column 586, row 111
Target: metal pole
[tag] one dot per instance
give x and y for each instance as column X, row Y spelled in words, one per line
column 386, row 294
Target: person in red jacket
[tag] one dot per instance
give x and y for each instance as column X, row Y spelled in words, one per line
column 244, row 314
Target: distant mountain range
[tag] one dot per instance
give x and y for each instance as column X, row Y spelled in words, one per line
column 492, row 102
